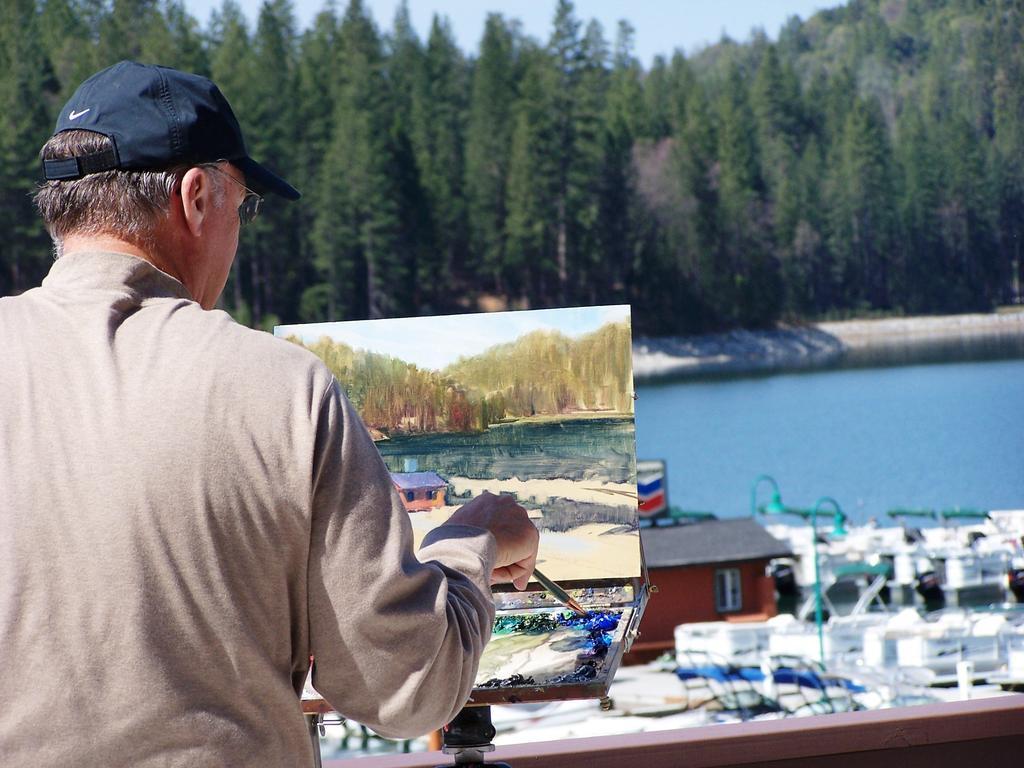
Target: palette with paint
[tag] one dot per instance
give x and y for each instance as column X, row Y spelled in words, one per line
column 546, row 652
column 537, row 405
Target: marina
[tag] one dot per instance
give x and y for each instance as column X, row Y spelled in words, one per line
column 876, row 653
column 921, row 575
column 880, row 645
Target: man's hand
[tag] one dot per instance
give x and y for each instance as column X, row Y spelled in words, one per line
column 515, row 533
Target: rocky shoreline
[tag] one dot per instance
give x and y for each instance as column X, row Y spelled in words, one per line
column 813, row 346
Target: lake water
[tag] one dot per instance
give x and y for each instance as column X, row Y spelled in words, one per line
column 577, row 449
column 932, row 436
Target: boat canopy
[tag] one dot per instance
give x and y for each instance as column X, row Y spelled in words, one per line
column 964, row 514
column 900, row 513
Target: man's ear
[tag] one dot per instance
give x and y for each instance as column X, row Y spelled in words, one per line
column 196, row 190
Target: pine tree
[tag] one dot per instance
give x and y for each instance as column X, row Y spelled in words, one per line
column 800, row 236
column 700, row 240
column 357, row 226
column 626, row 87
column 775, row 99
column 415, row 245
column 863, row 222
column 488, row 146
column 437, row 140
column 658, row 106
column 682, row 82
column 270, row 244
column 919, row 273
column 583, row 195
column 966, row 223
column 404, row 63
column 565, row 61
column 315, row 84
column 533, row 183
column 755, row 289
column 619, row 207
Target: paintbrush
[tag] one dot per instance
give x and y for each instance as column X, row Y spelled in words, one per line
column 558, row 593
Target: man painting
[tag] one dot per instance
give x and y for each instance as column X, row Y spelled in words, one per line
column 190, row 509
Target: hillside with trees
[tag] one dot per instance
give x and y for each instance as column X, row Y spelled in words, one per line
column 548, row 372
column 870, row 160
column 544, row 373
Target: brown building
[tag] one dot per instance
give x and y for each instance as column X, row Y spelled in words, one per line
column 713, row 570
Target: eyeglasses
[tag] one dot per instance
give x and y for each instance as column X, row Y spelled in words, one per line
column 250, row 205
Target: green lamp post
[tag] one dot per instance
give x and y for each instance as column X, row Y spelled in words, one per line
column 838, row 529
column 776, row 507
column 773, row 507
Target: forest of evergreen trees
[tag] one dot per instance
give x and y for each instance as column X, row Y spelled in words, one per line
column 543, row 373
column 869, row 160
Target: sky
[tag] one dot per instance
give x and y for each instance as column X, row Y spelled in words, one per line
column 661, row 25
column 434, row 342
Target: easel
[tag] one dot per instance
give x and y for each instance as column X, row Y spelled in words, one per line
column 468, row 737
column 315, row 710
column 313, row 723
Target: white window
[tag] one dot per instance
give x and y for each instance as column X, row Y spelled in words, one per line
column 727, row 590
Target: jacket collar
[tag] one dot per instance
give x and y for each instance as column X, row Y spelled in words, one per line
column 118, row 273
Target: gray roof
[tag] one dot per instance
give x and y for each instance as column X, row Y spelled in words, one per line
column 410, row 481
column 710, row 541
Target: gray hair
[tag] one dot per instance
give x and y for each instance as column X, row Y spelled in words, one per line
column 126, row 204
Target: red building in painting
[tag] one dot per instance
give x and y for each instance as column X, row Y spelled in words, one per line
column 713, row 570
column 420, row 490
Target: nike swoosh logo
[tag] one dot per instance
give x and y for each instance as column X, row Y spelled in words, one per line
column 75, row 115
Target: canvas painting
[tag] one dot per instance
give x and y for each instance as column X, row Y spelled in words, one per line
column 537, row 404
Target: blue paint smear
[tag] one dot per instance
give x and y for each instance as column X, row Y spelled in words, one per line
column 593, row 647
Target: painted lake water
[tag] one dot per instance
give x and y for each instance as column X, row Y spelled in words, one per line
column 576, row 449
column 932, row 436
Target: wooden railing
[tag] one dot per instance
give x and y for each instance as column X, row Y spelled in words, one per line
column 968, row 734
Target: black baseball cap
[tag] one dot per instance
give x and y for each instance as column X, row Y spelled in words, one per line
column 157, row 117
